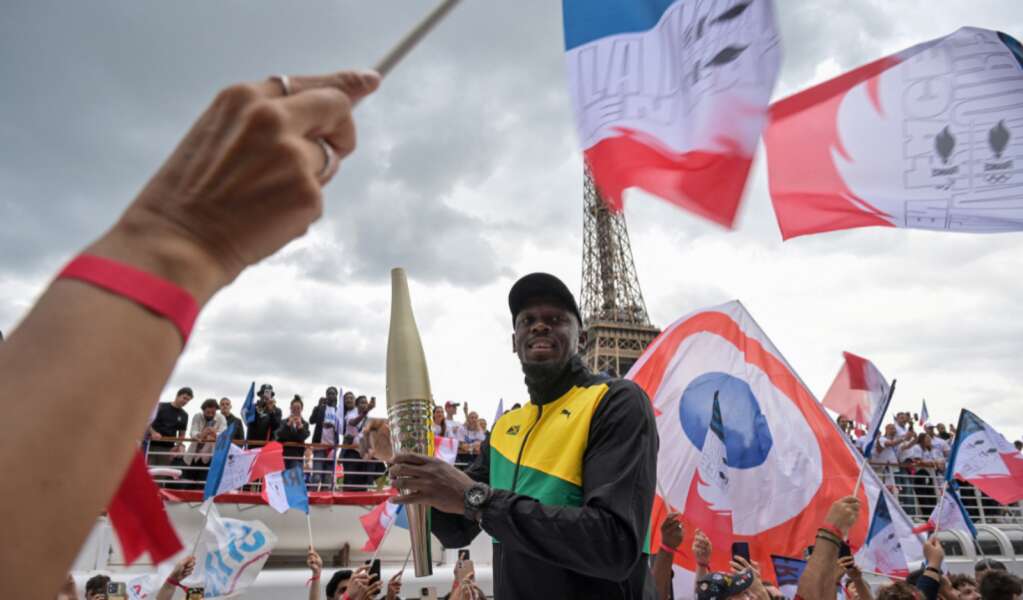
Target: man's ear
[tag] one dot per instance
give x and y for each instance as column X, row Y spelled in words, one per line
column 582, row 339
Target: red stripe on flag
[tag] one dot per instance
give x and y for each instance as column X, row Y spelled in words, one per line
column 269, row 460
column 138, row 516
column 808, row 192
column 857, row 371
column 707, row 183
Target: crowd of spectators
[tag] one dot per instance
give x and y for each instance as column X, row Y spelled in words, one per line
column 909, row 457
column 829, row 574
column 174, row 440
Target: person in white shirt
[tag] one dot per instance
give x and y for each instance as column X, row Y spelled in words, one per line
column 927, row 466
column 355, row 420
column 885, row 453
column 470, row 438
column 453, row 424
column 939, row 444
column 206, row 426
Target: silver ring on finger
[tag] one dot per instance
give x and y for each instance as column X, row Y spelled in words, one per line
column 330, row 160
column 284, row 82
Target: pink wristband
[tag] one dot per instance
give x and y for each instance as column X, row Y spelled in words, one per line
column 158, row 295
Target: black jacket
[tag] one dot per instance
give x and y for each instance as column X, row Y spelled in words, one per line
column 592, row 551
column 265, row 425
column 317, row 419
column 239, row 427
column 290, row 434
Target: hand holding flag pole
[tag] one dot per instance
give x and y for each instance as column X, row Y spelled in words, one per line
column 413, row 37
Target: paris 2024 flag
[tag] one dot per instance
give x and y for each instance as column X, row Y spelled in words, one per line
column 671, row 96
column 786, row 462
column 928, row 138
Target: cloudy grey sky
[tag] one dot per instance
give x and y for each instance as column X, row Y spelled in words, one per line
column 468, row 174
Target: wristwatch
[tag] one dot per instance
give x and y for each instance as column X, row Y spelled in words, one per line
column 476, row 498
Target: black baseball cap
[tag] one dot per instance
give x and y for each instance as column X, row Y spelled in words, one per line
column 541, row 285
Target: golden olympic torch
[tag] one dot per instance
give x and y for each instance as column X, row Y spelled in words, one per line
column 409, row 406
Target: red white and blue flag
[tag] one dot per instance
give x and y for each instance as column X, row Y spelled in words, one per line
column 231, row 467
column 882, row 551
column 671, row 96
column 858, row 389
column 379, row 521
column 925, row 416
column 983, row 457
column 949, row 515
column 928, row 138
column 787, row 462
column 286, row 489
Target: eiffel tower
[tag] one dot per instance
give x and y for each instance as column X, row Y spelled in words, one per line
column 614, row 312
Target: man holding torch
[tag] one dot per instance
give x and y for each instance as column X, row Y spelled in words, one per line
column 566, row 483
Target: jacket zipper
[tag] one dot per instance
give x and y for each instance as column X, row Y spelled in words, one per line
column 525, row 438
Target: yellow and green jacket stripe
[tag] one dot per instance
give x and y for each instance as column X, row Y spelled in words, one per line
column 538, row 450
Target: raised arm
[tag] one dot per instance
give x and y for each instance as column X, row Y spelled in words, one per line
column 244, row 181
column 818, row 579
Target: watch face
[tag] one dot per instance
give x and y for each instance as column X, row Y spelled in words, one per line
column 476, row 496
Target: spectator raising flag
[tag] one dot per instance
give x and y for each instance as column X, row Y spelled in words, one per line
column 286, row 489
column 949, row 515
column 787, row 462
column 858, row 389
column 232, row 467
column 882, row 552
column 670, row 96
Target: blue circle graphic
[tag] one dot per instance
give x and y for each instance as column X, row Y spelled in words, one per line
column 747, row 436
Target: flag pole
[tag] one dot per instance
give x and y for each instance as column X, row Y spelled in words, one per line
column 865, row 463
column 376, row 552
column 309, row 527
column 205, row 518
column 937, row 517
column 413, row 37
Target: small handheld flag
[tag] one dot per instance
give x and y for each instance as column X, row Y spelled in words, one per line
column 286, row 489
column 882, row 551
column 249, row 407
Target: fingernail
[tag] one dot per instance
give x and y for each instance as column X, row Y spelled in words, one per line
column 369, row 77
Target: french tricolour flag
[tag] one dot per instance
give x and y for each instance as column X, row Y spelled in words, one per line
column 286, row 489
column 379, row 521
column 983, row 457
column 670, row 96
column 949, row 515
column 882, row 552
column 232, row 467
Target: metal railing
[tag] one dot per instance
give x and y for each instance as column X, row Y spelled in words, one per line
column 335, row 468
column 919, row 491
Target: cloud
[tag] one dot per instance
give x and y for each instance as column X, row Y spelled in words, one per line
column 468, row 174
